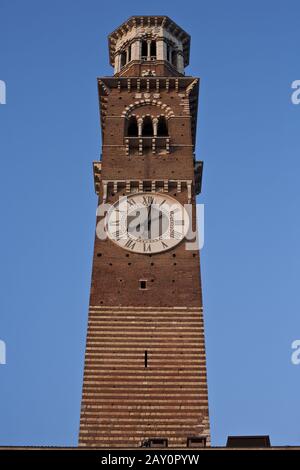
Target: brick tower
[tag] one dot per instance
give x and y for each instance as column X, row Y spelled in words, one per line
column 145, row 368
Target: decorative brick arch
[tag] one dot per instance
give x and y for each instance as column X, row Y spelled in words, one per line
column 167, row 111
column 142, row 116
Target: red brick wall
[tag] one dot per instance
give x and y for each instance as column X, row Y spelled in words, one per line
column 124, row 402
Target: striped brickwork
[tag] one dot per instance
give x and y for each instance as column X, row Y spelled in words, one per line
column 125, row 402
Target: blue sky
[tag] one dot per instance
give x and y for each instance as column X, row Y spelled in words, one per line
column 246, row 54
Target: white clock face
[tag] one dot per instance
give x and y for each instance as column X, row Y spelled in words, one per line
column 147, row 222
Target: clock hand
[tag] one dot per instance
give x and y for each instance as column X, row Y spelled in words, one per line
column 149, row 219
column 143, row 222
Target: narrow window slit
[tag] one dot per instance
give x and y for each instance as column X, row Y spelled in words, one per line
column 143, row 284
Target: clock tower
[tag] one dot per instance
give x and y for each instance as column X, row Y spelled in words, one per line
column 145, row 367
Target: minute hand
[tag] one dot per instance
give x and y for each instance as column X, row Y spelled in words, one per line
column 149, row 219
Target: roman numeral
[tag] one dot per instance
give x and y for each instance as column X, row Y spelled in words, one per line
column 147, row 247
column 131, row 202
column 148, row 200
column 130, row 244
column 164, row 244
column 116, row 235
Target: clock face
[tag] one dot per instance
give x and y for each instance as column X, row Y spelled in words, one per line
column 147, row 222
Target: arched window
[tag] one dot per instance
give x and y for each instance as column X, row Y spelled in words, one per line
column 123, row 58
column 147, row 127
column 153, row 49
column 144, row 50
column 174, row 58
column 168, row 53
column 132, row 129
column 162, row 128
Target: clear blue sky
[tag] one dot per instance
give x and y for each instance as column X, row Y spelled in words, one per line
column 247, row 55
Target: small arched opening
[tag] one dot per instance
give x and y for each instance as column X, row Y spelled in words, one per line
column 162, row 127
column 168, row 53
column 123, row 58
column 174, row 58
column 132, row 129
column 153, row 49
column 147, row 130
column 144, row 50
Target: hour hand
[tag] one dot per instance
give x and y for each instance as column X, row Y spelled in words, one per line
column 143, row 221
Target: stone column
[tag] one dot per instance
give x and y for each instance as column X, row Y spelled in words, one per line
column 136, row 50
column 161, row 49
column 148, row 49
column 180, row 62
column 140, row 126
column 117, row 63
column 155, row 123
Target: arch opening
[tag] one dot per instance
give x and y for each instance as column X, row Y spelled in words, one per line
column 132, row 129
column 162, row 127
column 144, row 50
column 153, row 49
column 147, row 130
column 123, row 58
column 174, row 58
